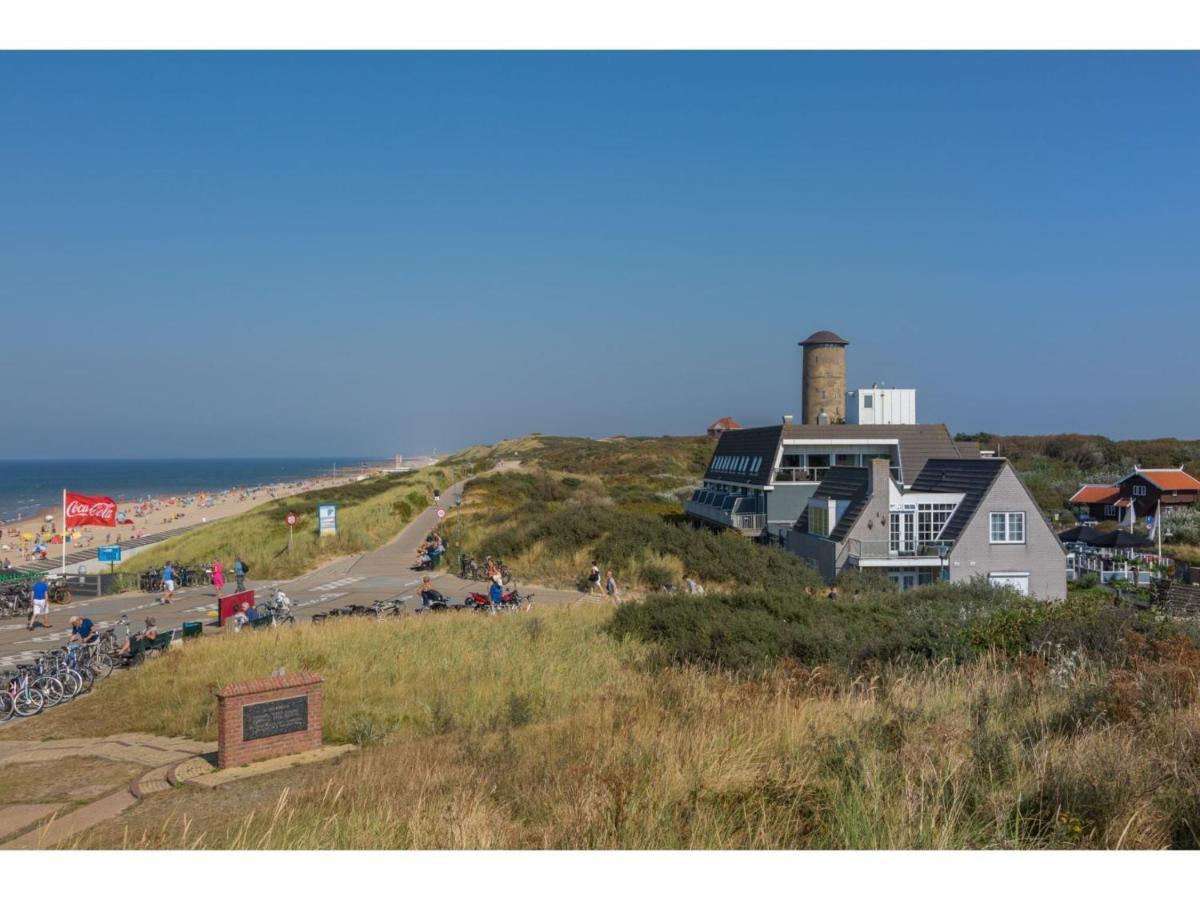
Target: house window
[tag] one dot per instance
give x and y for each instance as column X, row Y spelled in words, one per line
column 1139, row 490
column 818, row 520
column 1109, row 510
column 868, row 401
column 931, row 519
column 1008, row 528
column 845, row 459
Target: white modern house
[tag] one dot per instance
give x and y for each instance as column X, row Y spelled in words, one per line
column 959, row 519
column 881, row 406
column 759, row 480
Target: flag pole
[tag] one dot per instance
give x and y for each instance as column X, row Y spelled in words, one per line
column 64, row 534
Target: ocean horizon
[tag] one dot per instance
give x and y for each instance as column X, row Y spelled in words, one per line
column 28, row 486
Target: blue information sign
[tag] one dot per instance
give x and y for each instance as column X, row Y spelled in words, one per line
column 327, row 519
column 108, row 554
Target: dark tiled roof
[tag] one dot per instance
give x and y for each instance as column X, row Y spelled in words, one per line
column 752, row 442
column 971, row 477
column 823, row 337
column 842, row 483
column 918, row 443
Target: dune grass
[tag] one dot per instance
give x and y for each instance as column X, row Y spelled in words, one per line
column 542, row 730
column 369, row 513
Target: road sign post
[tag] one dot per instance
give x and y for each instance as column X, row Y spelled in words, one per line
column 291, row 520
column 111, row 555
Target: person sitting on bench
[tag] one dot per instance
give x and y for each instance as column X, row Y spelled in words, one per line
column 429, row 594
column 149, row 633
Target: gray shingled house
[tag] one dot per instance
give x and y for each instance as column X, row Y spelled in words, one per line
column 958, row 519
column 759, row 480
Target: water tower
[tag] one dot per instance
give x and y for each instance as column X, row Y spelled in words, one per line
column 824, row 379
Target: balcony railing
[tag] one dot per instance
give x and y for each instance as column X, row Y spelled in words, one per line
column 860, row 549
column 741, row 521
column 813, row 475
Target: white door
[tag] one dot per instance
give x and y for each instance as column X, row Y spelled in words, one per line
column 1017, row 580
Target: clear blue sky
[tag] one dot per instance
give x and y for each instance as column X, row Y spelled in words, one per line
column 290, row 254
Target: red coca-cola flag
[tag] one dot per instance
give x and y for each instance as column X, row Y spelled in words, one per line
column 81, row 510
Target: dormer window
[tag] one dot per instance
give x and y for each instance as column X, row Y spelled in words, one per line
column 1139, row 490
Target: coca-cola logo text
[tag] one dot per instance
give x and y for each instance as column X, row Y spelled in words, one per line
column 99, row 510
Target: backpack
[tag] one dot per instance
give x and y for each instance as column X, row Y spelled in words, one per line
column 245, row 570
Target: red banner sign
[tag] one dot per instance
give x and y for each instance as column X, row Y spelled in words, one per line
column 228, row 605
column 81, row 510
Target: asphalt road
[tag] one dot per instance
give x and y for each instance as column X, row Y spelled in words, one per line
column 362, row 579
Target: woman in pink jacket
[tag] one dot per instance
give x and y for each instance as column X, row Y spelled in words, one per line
column 218, row 576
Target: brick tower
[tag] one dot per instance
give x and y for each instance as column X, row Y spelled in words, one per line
column 824, row 379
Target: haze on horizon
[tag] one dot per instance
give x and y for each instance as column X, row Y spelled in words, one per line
column 285, row 254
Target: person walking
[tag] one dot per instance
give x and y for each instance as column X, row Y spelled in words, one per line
column 610, row 587
column 168, row 583
column 594, row 579
column 218, row 577
column 40, row 596
column 239, row 572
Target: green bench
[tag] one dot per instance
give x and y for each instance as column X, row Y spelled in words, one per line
column 140, row 648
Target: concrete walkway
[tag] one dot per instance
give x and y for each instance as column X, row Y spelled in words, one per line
column 174, row 761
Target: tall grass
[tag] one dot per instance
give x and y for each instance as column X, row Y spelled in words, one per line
column 541, row 730
column 369, row 513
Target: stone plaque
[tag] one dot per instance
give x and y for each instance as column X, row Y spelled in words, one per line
column 263, row 720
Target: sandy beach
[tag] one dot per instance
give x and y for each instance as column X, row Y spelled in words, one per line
column 151, row 516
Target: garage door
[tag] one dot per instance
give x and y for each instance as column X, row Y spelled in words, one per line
column 1016, row 580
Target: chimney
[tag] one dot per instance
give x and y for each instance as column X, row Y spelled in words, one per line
column 787, row 420
column 881, row 473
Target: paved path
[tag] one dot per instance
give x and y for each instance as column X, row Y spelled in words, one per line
column 360, row 579
column 174, row 761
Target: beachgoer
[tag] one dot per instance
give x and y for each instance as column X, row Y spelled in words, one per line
column 40, row 595
column 610, row 587
column 594, row 579
column 218, row 577
column 239, row 572
column 168, row 582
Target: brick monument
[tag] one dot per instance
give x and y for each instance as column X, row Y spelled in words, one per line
column 268, row 717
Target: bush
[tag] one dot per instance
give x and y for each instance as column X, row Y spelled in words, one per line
column 959, row 622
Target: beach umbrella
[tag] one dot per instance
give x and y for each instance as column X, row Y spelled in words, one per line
column 1120, row 540
column 27, row 535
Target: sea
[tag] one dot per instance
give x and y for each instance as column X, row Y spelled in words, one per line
column 28, row 486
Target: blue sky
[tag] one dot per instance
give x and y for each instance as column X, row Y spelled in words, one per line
column 291, row 254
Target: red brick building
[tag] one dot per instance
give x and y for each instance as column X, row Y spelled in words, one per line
column 722, row 425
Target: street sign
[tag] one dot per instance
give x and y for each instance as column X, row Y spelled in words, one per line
column 108, row 554
column 291, row 519
column 441, row 514
column 327, row 519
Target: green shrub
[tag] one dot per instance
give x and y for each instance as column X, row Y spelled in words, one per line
column 959, row 622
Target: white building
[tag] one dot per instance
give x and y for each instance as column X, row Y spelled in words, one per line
column 881, row 406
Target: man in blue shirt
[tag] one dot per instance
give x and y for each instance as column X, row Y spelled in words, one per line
column 168, row 581
column 41, row 603
column 83, row 630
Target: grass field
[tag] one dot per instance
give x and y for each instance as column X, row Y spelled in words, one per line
column 545, row 730
column 369, row 513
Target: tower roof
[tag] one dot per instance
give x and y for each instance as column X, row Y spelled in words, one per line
column 823, row 337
